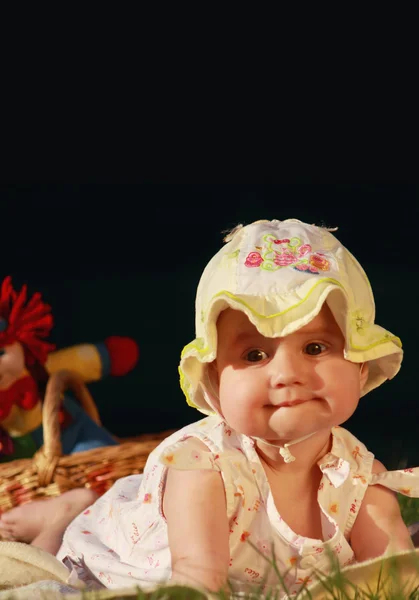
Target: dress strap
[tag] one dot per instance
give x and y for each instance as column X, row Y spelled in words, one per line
column 404, row 481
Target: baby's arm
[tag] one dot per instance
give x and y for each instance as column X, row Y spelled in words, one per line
column 379, row 526
column 194, row 505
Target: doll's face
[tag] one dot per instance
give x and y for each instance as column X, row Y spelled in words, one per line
column 12, row 364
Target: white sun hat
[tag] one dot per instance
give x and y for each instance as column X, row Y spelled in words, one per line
column 279, row 273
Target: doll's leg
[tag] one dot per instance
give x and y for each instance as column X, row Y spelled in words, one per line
column 82, row 433
column 43, row 522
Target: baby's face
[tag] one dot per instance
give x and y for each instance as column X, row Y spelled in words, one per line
column 285, row 388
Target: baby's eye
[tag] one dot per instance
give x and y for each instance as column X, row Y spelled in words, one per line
column 2, row 351
column 315, row 348
column 255, row 355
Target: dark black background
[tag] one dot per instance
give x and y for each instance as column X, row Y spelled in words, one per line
column 125, row 258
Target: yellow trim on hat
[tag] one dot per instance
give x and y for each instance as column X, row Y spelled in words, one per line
column 198, row 345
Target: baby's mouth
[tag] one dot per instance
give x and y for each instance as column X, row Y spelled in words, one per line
column 290, row 403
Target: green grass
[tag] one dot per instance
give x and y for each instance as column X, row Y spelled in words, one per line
column 409, row 508
column 385, row 584
column 334, row 587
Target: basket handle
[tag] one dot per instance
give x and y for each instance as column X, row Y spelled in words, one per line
column 46, row 458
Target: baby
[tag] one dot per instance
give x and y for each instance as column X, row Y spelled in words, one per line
column 286, row 345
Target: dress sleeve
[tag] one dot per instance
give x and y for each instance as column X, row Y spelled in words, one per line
column 188, row 454
column 405, row 481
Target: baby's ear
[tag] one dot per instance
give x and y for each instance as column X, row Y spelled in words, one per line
column 210, row 385
column 212, row 373
column 363, row 374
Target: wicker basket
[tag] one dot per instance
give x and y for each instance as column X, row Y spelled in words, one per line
column 49, row 473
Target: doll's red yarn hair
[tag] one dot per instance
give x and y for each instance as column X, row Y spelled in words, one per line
column 26, row 321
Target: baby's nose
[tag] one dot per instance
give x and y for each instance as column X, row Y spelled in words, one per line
column 287, row 368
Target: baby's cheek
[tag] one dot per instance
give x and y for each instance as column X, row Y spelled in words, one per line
column 231, row 379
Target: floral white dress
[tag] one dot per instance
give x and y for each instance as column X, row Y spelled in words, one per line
column 121, row 540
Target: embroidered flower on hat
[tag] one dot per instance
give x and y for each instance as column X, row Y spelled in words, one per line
column 253, row 259
column 274, row 254
column 359, row 322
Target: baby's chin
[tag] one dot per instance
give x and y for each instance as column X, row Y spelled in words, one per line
column 291, row 423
